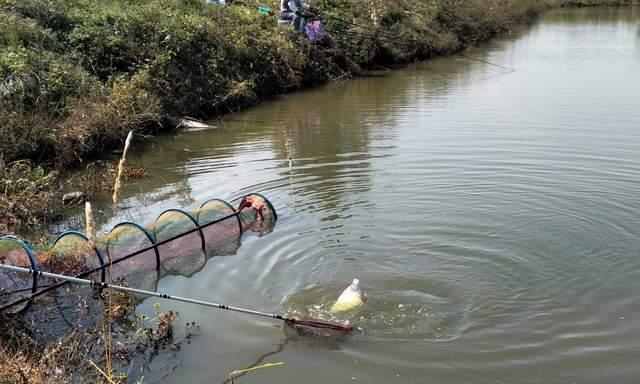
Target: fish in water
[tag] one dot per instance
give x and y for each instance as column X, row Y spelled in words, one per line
column 352, row 297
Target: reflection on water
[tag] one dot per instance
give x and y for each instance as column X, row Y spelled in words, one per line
column 492, row 216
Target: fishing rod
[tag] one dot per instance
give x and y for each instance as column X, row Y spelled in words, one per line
column 319, row 14
column 390, row 37
column 397, row 38
column 136, row 253
column 290, row 320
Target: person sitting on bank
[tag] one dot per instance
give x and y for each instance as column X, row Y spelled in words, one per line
column 292, row 11
column 224, row 2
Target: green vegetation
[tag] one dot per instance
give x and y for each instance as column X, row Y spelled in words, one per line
column 31, row 195
column 77, row 75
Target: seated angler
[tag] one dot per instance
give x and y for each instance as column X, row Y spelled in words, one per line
column 291, row 12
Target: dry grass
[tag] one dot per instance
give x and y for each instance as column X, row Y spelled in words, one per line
column 26, row 193
column 83, row 355
column 32, row 195
column 24, row 360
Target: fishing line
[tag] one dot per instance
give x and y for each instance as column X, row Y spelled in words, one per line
column 399, row 38
column 388, row 35
column 261, row 359
column 287, row 143
column 486, row 62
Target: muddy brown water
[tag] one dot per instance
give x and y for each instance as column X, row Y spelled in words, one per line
column 491, row 214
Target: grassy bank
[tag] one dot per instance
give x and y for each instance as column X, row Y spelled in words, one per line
column 77, row 75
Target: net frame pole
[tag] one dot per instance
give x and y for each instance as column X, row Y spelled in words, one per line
column 104, row 285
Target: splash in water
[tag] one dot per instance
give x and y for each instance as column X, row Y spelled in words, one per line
column 412, row 309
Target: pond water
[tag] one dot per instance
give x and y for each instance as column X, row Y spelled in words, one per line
column 491, row 213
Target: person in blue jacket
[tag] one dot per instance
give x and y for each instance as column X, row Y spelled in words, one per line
column 292, row 11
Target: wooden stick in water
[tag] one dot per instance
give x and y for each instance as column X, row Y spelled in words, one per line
column 88, row 214
column 116, row 188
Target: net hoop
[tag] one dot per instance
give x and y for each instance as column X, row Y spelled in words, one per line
column 34, row 265
column 143, row 230
column 227, row 204
column 85, row 238
column 189, row 216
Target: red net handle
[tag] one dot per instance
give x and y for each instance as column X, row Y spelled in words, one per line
column 320, row 324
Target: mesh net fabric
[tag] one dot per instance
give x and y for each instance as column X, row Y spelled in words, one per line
column 184, row 255
column 140, row 270
column 71, row 254
column 71, row 306
column 256, row 213
column 223, row 237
